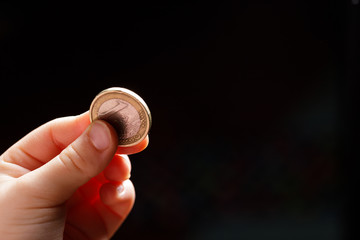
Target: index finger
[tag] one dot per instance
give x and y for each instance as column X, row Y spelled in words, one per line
column 46, row 141
column 134, row 149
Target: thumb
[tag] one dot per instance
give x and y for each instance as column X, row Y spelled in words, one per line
column 83, row 159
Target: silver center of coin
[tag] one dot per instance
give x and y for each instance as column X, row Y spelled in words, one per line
column 122, row 116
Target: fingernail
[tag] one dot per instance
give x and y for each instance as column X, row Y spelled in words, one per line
column 120, row 189
column 99, row 136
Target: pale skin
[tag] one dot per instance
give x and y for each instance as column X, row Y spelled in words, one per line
column 67, row 179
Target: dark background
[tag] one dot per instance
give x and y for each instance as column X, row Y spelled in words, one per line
column 251, row 103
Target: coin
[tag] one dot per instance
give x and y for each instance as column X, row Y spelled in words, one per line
column 125, row 111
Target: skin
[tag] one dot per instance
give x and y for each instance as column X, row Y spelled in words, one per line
column 67, row 179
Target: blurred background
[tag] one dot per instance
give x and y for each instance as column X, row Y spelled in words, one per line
column 253, row 133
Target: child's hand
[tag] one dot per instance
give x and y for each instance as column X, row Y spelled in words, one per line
column 63, row 181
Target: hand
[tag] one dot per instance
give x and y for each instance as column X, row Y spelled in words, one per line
column 66, row 180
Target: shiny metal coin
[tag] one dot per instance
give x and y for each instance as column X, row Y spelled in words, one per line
column 125, row 111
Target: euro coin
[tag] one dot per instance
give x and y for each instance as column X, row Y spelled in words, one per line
column 125, row 111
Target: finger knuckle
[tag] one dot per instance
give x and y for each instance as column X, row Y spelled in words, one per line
column 73, row 160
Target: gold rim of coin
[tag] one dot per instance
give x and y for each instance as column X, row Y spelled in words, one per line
column 141, row 118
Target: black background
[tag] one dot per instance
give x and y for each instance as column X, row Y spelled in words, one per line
column 251, row 104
